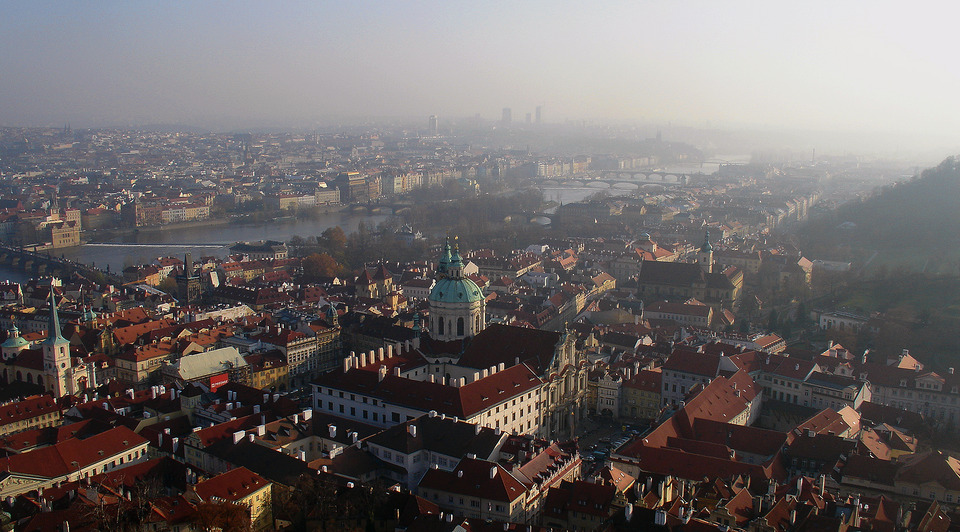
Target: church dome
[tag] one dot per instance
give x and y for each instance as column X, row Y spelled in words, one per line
column 14, row 340
column 453, row 290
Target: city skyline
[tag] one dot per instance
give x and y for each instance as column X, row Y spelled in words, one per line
column 815, row 67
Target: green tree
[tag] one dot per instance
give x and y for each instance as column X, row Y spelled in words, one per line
column 772, row 320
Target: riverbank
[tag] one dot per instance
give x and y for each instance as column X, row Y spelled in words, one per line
column 108, row 235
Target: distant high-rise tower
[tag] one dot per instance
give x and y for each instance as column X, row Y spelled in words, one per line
column 434, row 125
column 539, row 117
column 506, row 117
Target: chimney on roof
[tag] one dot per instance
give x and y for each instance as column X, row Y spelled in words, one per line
column 307, row 415
column 250, row 437
column 389, row 352
column 823, row 484
column 476, row 376
column 476, row 429
column 256, row 409
column 237, row 436
column 628, row 512
column 500, row 366
column 432, row 379
column 363, row 359
column 485, row 373
column 461, row 381
column 333, row 431
column 379, row 353
column 266, row 396
column 412, row 429
column 493, row 472
column 353, row 437
column 396, row 371
column 793, row 516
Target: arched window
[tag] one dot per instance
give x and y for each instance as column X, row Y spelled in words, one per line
column 40, row 380
column 30, row 378
column 19, row 376
column 440, row 331
column 460, row 326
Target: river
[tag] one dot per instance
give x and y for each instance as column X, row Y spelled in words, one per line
column 213, row 240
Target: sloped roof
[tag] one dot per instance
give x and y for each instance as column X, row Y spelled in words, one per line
column 472, row 478
column 209, row 362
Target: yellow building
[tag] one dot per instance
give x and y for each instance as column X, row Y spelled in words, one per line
column 641, row 395
column 239, row 486
column 269, row 372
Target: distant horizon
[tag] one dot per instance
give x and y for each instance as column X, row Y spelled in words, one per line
column 751, row 140
column 879, row 71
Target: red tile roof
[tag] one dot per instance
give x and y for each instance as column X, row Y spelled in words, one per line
column 28, row 408
column 234, row 485
column 58, row 460
column 472, row 478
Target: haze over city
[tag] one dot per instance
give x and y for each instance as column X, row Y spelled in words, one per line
column 811, row 67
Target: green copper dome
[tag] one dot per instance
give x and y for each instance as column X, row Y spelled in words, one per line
column 449, row 290
column 706, row 243
column 444, row 258
column 14, row 340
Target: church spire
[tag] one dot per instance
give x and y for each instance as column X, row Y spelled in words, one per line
column 444, row 264
column 706, row 242
column 53, row 327
column 456, row 263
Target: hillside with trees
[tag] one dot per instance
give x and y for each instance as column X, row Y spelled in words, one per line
column 920, row 216
column 904, row 243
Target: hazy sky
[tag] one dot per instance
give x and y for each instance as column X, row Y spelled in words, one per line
column 858, row 66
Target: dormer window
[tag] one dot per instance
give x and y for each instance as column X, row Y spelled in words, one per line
column 903, row 383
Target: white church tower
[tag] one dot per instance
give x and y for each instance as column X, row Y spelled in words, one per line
column 56, row 355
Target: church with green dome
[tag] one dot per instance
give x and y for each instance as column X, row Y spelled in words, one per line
column 457, row 305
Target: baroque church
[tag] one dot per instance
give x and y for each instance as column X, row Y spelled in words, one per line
column 458, row 341
column 51, row 367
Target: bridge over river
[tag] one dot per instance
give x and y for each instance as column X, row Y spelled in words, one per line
column 44, row 263
column 620, row 179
